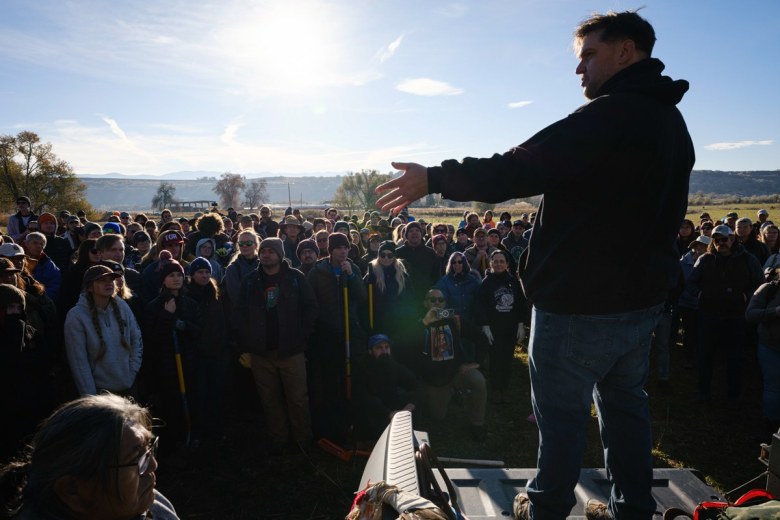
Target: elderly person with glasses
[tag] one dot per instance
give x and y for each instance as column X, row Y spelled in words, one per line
column 93, row 458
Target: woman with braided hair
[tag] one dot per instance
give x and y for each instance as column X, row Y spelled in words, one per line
column 102, row 338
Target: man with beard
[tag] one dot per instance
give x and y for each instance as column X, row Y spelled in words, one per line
column 381, row 388
column 277, row 309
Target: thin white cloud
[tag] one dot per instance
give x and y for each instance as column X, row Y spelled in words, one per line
column 519, row 104
column 453, row 10
column 737, row 145
column 385, row 53
column 428, row 87
column 114, row 126
column 93, row 149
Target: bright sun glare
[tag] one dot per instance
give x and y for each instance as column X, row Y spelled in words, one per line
column 283, row 47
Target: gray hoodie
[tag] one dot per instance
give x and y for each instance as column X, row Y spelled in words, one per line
column 117, row 369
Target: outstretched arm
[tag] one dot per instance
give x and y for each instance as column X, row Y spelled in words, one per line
column 400, row 192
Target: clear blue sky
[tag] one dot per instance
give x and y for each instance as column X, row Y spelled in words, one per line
column 334, row 86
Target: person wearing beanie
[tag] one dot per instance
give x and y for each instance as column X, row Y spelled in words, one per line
column 171, row 241
column 275, row 244
column 172, row 320
column 328, row 278
column 308, row 253
column 102, row 338
column 92, row 230
column 421, row 261
column 382, row 387
column 58, row 249
column 275, row 317
column 343, row 231
column 198, row 264
column 212, row 356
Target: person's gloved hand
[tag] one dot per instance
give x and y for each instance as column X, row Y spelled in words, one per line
column 520, row 332
column 488, row 333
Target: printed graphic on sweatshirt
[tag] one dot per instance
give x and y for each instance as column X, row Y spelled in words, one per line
column 442, row 347
column 504, row 299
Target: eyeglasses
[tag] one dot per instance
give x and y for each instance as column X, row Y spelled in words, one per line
column 435, row 300
column 144, row 460
column 440, row 230
column 386, row 255
column 457, row 262
column 247, row 243
column 721, row 240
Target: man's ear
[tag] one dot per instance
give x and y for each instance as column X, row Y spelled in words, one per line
column 628, row 53
column 74, row 493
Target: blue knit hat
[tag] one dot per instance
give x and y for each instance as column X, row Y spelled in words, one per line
column 198, row 264
column 112, row 227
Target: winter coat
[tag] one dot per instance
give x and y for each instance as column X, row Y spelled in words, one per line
column 236, row 270
column 626, row 152
column 459, row 290
column 117, row 369
column 158, row 330
column 762, row 310
column 296, row 308
column 329, row 338
column 724, row 284
column 49, row 275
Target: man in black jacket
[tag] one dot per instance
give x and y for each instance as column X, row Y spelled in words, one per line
column 278, row 309
column 626, row 151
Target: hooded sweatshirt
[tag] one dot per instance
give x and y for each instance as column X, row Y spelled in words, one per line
column 117, row 369
column 216, row 267
column 626, row 152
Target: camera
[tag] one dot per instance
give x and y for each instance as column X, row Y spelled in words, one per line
column 443, row 314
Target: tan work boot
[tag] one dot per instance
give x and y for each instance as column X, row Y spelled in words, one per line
column 521, row 507
column 596, row 510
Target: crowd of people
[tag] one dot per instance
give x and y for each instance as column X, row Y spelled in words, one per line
column 342, row 320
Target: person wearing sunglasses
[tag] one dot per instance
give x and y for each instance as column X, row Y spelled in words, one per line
column 93, row 458
column 388, row 278
column 444, row 366
column 723, row 279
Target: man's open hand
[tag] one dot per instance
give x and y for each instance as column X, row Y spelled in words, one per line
column 400, row 192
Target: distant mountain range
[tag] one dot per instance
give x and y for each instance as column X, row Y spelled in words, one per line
column 135, row 192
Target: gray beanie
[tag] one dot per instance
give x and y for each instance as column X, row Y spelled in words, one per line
column 275, row 244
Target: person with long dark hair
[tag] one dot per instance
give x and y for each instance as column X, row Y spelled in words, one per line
column 499, row 309
column 92, row 458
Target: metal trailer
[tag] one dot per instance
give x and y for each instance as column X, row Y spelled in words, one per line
column 487, row 493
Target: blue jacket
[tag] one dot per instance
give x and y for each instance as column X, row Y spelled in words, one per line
column 460, row 291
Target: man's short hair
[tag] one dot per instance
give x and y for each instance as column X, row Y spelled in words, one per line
column 614, row 27
column 36, row 235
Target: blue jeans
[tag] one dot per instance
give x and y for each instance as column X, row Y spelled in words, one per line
column 662, row 338
column 576, row 359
